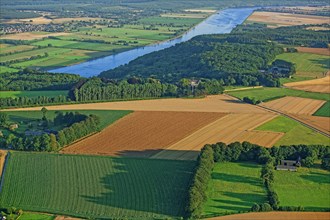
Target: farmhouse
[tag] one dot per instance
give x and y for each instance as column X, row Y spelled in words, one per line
column 290, row 165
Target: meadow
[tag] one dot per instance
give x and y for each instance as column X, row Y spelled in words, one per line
column 234, row 188
column 309, row 187
column 270, row 93
column 308, row 64
column 31, row 94
column 96, row 186
column 324, row 110
column 294, row 132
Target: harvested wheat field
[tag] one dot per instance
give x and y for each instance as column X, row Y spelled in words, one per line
column 231, row 128
column 321, row 123
column 216, row 103
column 2, row 160
column 277, row 216
column 321, row 85
column 143, row 133
column 321, row 51
column 31, row 36
column 66, row 218
column 46, row 20
column 276, row 19
column 295, row 105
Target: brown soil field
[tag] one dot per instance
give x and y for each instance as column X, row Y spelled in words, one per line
column 143, row 134
column 66, row 218
column 295, row 105
column 231, row 128
column 2, row 160
column 44, row 20
column 321, row 85
column 321, row 51
column 277, row 216
column 217, row 103
column 31, row 36
column 321, row 123
column 276, row 19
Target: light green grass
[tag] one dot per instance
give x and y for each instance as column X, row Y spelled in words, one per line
column 308, row 64
column 96, row 186
column 324, row 110
column 309, row 187
column 14, row 49
column 234, row 188
column 270, row 93
column 171, row 21
column 295, row 133
column 295, row 78
column 36, row 216
column 31, row 94
column 5, row 69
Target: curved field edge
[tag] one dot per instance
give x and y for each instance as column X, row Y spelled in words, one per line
column 294, row 132
column 96, row 186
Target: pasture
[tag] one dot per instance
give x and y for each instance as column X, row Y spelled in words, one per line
column 270, row 93
column 234, row 187
column 294, row 132
column 324, row 110
column 309, row 187
column 276, row 216
column 96, row 186
column 31, row 94
column 5, row 69
column 308, row 64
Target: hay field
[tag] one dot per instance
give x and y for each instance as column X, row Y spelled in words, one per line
column 32, row 35
column 321, row 51
column 142, row 134
column 321, row 123
column 277, row 19
column 321, row 85
column 216, row 103
column 45, row 20
column 277, row 216
column 231, row 128
column 2, row 160
column 295, row 105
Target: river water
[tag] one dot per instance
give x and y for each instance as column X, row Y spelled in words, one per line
column 220, row 23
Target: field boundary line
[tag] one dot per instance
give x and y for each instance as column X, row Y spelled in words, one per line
column 4, row 170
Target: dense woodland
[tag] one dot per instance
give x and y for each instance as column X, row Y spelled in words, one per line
column 268, row 157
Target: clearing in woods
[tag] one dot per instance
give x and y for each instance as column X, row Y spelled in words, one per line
column 143, row 134
column 234, row 187
column 295, row 105
column 321, row 85
column 277, row 216
column 98, row 186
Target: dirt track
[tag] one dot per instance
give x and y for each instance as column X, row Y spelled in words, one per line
column 321, row 85
column 231, row 128
column 143, row 133
column 277, row 216
column 295, row 105
column 217, row 103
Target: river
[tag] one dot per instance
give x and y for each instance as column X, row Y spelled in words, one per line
column 221, row 22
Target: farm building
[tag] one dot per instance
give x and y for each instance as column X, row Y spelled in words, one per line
column 290, row 165
column 13, row 127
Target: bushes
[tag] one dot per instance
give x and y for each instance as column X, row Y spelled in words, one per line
column 252, row 101
column 291, row 208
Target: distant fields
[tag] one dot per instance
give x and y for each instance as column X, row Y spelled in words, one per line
column 309, row 187
column 324, row 110
column 96, row 186
column 234, row 187
column 295, row 133
column 268, row 93
column 308, row 64
column 30, row 94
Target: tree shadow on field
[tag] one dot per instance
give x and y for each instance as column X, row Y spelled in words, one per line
column 135, row 187
column 324, row 62
column 236, row 178
column 164, row 154
column 317, row 177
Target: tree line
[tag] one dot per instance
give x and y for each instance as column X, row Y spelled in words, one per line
column 268, row 157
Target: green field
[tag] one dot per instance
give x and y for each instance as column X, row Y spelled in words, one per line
column 324, row 110
column 96, row 186
column 36, row 216
column 5, row 69
column 309, row 187
column 234, row 188
column 295, row 133
column 295, row 78
column 308, row 64
column 175, row 21
column 31, row 94
column 269, row 93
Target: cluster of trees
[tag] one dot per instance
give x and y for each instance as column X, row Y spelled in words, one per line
column 97, row 89
column 33, row 101
column 252, row 101
column 236, row 60
column 246, row 151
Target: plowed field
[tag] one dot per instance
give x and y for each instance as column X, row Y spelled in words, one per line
column 295, row 105
column 277, row 216
column 217, row 103
column 143, row 133
column 321, row 85
column 231, row 128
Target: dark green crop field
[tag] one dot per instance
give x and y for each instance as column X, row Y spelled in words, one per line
column 96, row 186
